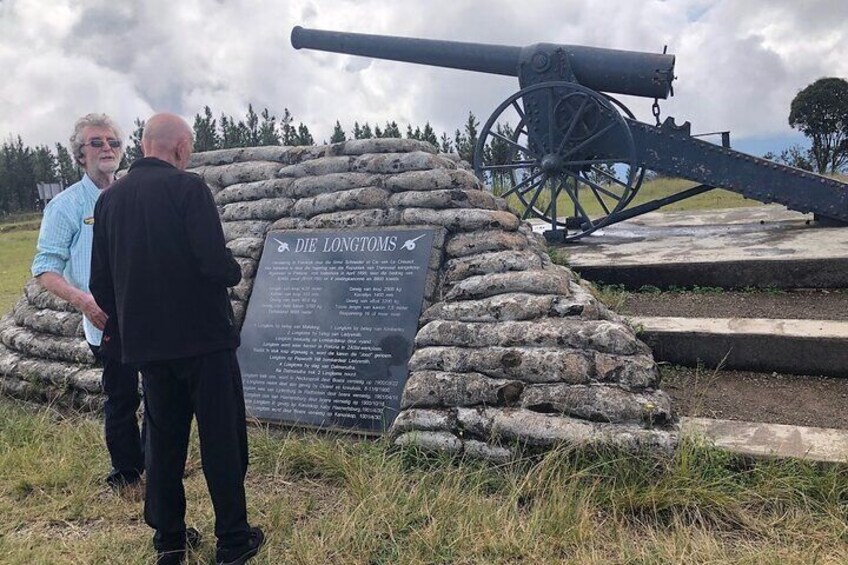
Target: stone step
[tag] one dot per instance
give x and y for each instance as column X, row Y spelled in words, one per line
column 771, row 440
column 801, row 347
column 763, row 246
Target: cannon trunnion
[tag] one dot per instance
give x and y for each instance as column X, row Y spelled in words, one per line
column 573, row 155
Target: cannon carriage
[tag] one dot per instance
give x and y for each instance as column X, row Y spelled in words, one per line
column 564, row 135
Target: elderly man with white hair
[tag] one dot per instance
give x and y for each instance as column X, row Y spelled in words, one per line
column 62, row 265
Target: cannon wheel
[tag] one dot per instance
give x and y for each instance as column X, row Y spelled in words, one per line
column 578, row 120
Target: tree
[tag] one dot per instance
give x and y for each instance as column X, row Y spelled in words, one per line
column 288, row 133
column 230, row 134
column 338, row 134
column 303, row 137
column 391, row 130
column 206, row 131
column 820, row 112
column 134, row 150
column 251, row 137
column 445, row 144
column 66, row 169
column 429, row 135
column 466, row 140
column 268, row 129
column 794, row 156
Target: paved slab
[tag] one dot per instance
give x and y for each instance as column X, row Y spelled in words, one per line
column 763, row 246
column 800, row 347
column 772, row 440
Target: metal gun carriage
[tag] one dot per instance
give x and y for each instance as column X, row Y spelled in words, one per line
column 562, row 140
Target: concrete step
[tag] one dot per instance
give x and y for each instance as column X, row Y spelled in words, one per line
column 771, row 440
column 800, row 347
column 763, row 246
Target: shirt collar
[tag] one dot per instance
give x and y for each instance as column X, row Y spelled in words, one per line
column 89, row 185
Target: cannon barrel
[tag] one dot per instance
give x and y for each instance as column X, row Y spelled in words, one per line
column 605, row 70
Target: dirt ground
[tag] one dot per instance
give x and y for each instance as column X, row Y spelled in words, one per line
column 743, row 395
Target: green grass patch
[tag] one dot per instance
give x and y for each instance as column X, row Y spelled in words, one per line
column 649, row 191
column 17, row 249
column 335, row 499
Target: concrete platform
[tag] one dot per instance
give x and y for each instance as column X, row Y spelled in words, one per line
column 763, row 246
column 799, row 347
column 771, row 440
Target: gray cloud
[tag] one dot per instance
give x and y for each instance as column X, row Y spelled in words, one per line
column 739, row 63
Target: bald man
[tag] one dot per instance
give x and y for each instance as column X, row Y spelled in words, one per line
column 160, row 271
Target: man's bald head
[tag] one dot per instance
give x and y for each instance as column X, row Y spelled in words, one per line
column 169, row 138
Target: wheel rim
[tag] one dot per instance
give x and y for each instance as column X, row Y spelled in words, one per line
column 570, row 146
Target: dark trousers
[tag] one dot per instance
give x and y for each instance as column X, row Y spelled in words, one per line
column 209, row 388
column 123, row 439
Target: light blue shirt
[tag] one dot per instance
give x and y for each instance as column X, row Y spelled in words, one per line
column 65, row 239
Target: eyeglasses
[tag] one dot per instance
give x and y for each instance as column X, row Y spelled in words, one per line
column 97, row 143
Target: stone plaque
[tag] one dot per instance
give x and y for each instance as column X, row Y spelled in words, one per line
column 330, row 326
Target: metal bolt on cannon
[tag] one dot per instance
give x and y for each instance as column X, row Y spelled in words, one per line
column 575, row 156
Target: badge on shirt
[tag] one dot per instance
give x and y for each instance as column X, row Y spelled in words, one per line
column 89, row 221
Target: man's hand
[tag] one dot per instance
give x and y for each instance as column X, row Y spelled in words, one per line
column 92, row 311
column 81, row 300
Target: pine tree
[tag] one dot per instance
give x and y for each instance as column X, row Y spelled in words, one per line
column 268, row 129
column 366, row 132
column 134, row 150
column 303, row 136
column 206, row 131
column 429, row 135
column 287, row 130
column 44, row 164
column 229, row 132
column 251, row 130
column 338, row 134
column 68, row 172
column 392, row 130
column 466, row 140
column 446, row 145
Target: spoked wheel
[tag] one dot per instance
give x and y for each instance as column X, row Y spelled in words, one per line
column 569, row 159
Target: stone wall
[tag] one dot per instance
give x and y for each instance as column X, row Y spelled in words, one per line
column 512, row 350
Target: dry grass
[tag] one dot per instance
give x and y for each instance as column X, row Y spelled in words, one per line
column 333, row 499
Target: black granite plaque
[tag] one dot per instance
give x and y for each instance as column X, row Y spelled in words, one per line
column 330, row 326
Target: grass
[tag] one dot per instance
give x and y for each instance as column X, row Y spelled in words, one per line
column 332, row 499
column 649, row 191
column 17, row 248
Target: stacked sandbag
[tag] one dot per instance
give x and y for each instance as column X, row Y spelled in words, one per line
column 512, row 350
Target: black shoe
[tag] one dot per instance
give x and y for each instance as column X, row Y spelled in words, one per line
column 239, row 556
column 118, row 480
column 177, row 556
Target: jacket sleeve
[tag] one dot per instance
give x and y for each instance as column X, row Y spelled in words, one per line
column 206, row 236
column 100, row 279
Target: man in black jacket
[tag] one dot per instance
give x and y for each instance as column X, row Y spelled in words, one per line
column 160, row 271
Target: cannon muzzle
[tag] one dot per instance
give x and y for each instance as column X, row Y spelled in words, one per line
column 605, row 70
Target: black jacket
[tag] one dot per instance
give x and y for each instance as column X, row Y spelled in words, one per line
column 160, row 268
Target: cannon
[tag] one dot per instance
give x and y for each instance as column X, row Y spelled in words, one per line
column 573, row 155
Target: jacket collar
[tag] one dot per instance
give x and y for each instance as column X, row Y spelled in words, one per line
column 150, row 162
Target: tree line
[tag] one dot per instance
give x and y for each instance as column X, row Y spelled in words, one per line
column 819, row 111
column 23, row 167
column 265, row 128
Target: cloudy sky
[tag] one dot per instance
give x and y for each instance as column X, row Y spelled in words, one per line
column 739, row 62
